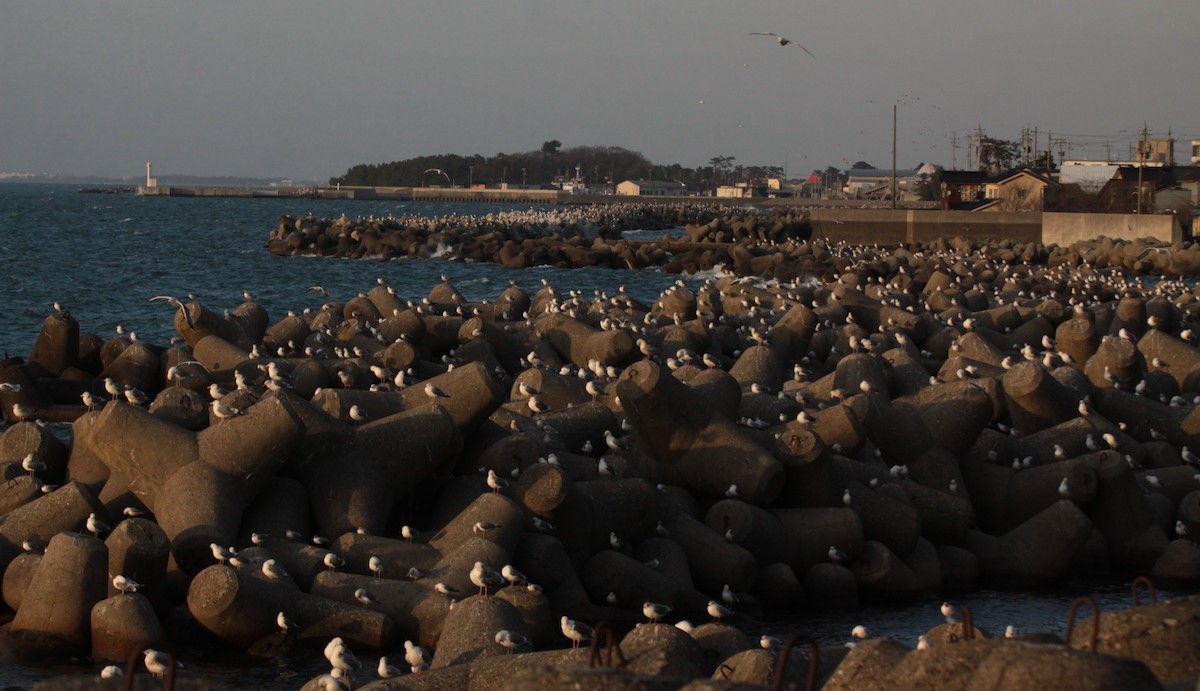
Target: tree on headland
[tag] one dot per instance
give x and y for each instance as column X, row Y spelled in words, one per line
column 551, row 147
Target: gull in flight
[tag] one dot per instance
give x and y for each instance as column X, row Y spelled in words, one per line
column 781, row 40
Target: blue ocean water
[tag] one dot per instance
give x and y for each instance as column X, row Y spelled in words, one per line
column 103, row 256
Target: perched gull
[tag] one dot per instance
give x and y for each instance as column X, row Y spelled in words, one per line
column 511, row 640
column 655, row 611
column 416, row 657
column 495, row 482
column 272, row 570
column 718, row 611
column 376, row 566
column 332, row 561
column 284, row 623
column 578, row 632
column 433, row 391
column 95, row 526
column 125, row 585
column 365, row 597
column 387, row 671
column 484, row 578
column 156, row 662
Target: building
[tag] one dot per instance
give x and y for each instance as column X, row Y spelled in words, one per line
column 1021, row 190
column 651, row 188
column 964, row 189
column 1196, row 152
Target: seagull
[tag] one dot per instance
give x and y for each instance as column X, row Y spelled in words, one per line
column 836, row 555
column 860, row 632
column 31, row 465
column 387, row 671
column 376, row 566
column 483, row 578
column 732, row 492
column 949, row 612
column 513, row 576
column 1010, row 632
column 578, row 632
column 125, row 585
column 284, row 623
column 112, row 672
column 156, row 662
column 655, row 611
column 174, row 302
column 407, row 533
column 221, row 554
column 482, row 527
column 225, row 412
column 511, row 640
column 443, row 589
column 718, row 611
column 272, row 570
column 416, row 657
column 332, row 561
column 781, row 40
column 357, row 414
column 365, row 597
column 495, row 482
column 433, row 391
column 1064, row 490
column 95, row 526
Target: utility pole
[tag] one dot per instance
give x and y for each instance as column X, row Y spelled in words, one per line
column 1143, row 151
column 954, row 150
column 893, row 155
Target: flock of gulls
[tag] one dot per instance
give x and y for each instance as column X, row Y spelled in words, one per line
column 1078, row 291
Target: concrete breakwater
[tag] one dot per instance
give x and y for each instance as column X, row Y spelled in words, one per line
column 910, row 423
column 769, row 244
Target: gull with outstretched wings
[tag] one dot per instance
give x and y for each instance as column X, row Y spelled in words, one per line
column 781, row 40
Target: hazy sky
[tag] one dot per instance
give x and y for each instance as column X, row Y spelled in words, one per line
column 308, row 89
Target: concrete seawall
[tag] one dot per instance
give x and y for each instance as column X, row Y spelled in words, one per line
column 890, row 227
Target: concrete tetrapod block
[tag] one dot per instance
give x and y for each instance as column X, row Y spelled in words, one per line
column 882, row 575
column 40, row 520
column 955, row 413
column 396, row 556
column 693, row 447
column 57, row 346
column 1162, row 636
column 122, row 625
column 581, row 343
column 55, row 616
column 610, row 571
column 488, row 507
column 756, row 529
column 714, row 561
column 1120, row 511
column 240, row 606
column 252, row 447
column 417, row 610
column 1036, row 553
column 469, row 631
column 811, row 532
column 473, row 395
column 991, row 663
column 18, row 576
column 1119, row 359
column 356, row 485
column 138, row 549
column 1035, row 399
column 1078, row 338
column 25, row 438
column 595, row 510
column 812, row 478
column 664, row 651
column 281, row 505
column 544, row 561
column 540, row 619
column 142, row 447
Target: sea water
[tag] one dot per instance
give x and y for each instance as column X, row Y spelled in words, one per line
column 103, row 256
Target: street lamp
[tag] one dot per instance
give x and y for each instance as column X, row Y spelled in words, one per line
column 523, row 178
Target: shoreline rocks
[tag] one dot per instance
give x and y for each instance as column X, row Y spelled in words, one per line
column 905, row 422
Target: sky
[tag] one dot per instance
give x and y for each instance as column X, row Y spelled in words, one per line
column 304, row 89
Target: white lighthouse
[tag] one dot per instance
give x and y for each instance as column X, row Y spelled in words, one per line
column 150, row 182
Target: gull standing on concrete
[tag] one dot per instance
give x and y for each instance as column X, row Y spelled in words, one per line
column 416, row 657
column 578, row 632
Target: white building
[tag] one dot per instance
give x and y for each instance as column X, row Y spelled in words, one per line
column 651, row 188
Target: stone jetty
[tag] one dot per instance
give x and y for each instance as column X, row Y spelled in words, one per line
column 476, row 491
